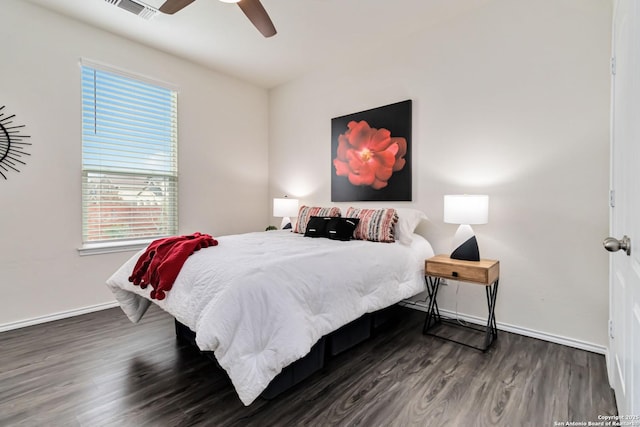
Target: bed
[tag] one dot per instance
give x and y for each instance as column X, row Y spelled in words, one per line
column 260, row 301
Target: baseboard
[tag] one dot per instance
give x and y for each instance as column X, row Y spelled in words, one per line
column 558, row 339
column 56, row 316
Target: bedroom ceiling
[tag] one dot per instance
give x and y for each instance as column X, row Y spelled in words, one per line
column 311, row 33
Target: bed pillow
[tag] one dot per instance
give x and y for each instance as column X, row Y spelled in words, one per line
column 317, row 226
column 376, row 225
column 306, row 212
column 341, row 228
column 408, row 220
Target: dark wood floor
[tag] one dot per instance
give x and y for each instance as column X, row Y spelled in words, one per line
column 99, row 370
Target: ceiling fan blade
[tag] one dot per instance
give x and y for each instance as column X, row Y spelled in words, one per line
column 258, row 16
column 172, row 6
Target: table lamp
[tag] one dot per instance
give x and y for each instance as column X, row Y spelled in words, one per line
column 285, row 208
column 466, row 210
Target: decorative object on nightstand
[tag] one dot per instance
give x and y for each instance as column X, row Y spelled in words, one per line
column 285, row 208
column 466, row 210
column 485, row 272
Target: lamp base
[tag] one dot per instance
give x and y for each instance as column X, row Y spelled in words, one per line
column 286, row 223
column 465, row 245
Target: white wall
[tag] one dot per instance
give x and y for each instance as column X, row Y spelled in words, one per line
column 511, row 100
column 223, row 168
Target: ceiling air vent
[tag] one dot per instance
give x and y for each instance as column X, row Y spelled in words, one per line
column 137, row 8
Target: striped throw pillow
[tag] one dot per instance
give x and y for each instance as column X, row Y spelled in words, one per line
column 306, row 212
column 375, row 225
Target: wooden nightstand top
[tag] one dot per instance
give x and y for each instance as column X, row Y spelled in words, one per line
column 484, row 272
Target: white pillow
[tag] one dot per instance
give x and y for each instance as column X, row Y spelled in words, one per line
column 408, row 220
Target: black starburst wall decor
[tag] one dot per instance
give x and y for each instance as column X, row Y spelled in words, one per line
column 12, row 144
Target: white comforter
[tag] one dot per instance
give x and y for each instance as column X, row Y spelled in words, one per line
column 259, row 301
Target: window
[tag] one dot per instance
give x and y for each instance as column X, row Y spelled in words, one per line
column 129, row 158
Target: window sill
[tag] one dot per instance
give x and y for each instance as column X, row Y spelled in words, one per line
column 112, row 247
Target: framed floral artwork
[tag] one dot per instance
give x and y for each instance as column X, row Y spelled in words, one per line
column 371, row 155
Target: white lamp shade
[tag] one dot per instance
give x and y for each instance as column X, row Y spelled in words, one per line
column 466, row 209
column 285, row 207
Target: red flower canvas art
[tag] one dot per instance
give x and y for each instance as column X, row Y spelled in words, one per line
column 371, row 156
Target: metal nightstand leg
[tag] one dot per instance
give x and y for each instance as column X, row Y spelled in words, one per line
column 433, row 284
column 492, row 329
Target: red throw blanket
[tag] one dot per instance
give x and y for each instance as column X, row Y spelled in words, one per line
column 161, row 262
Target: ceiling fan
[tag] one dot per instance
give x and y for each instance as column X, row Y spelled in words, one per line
column 252, row 8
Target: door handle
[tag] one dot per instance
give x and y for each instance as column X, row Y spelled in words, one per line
column 613, row 245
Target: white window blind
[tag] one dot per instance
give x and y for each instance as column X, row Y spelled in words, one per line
column 129, row 158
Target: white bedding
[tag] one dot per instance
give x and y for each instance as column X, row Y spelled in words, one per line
column 259, row 301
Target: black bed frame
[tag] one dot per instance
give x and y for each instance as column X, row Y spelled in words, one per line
column 328, row 346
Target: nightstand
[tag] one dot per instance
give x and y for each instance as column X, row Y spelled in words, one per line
column 485, row 272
